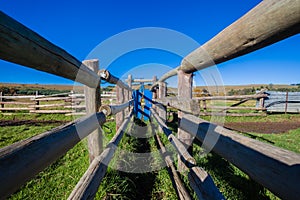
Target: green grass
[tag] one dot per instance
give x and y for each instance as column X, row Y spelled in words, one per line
column 289, row 140
column 58, row 180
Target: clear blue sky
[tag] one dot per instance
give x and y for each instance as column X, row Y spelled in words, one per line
column 79, row 26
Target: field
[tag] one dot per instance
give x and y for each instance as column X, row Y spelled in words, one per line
column 58, row 180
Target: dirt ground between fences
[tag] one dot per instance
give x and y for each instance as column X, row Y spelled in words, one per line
column 263, row 127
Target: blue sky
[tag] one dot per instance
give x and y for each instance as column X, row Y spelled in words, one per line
column 79, row 26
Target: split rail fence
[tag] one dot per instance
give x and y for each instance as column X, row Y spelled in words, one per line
column 274, row 168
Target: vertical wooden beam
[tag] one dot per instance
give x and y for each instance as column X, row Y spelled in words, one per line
column 129, row 82
column 154, row 93
column 37, row 102
column 93, row 103
column 185, row 82
column 1, row 94
column 286, row 102
column 120, row 100
column 162, row 110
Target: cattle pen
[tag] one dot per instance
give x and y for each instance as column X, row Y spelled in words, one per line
column 275, row 168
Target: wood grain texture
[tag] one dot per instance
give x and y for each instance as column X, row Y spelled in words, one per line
column 178, row 185
column 20, row 45
column 275, row 168
column 187, row 105
column 93, row 103
column 203, row 184
column 21, row 161
column 88, row 185
column 120, row 100
column 184, row 155
column 267, row 23
column 161, row 109
column 185, row 82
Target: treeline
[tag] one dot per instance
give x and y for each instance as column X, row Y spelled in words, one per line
column 29, row 91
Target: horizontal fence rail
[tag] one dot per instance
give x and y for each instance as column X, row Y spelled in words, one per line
column 202, row 183
column 20, row 45
column 88, row 185
column 114, row 109
column 275, row 168
column 267, row 23
column 106, row 75
column 21, row 161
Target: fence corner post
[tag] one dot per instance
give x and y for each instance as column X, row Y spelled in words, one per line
column 185, row 83
column 93, row 103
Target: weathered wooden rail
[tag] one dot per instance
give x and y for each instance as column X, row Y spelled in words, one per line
column 274, row 168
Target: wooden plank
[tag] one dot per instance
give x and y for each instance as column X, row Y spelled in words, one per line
column 48, row 105
column 184, row 155
column 92, row 104
column 186, row 105
column 232, row 114
column 18, row 97
column 185, row 86
column 275, row 168
column 21, row 161
column 106, row 75
column 75, row 113
column 20, row 45
column 203, row 185
column 15, row 103
column 179, row 187
column 267, row 23
column 88, row 185
column 14, row 109
column 114, row 109
column 234, row 108
column 52, row 111
column 53, row 99
column 235, row 97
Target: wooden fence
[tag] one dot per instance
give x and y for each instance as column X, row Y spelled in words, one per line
column 64, row 103
column 275, row 168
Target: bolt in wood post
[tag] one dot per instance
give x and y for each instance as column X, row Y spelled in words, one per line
column 93, row 103
column 120, row 100
column 184, row 92
column 162, row 110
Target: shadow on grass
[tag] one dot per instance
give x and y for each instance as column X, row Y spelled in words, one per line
column 142, row 183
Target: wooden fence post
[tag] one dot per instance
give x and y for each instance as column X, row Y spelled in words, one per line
column 129, row 82
column 93, row 103
column 1, row 94
column 120, row 100
column 154, row 93
column 162, row 110
column 184, row 92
